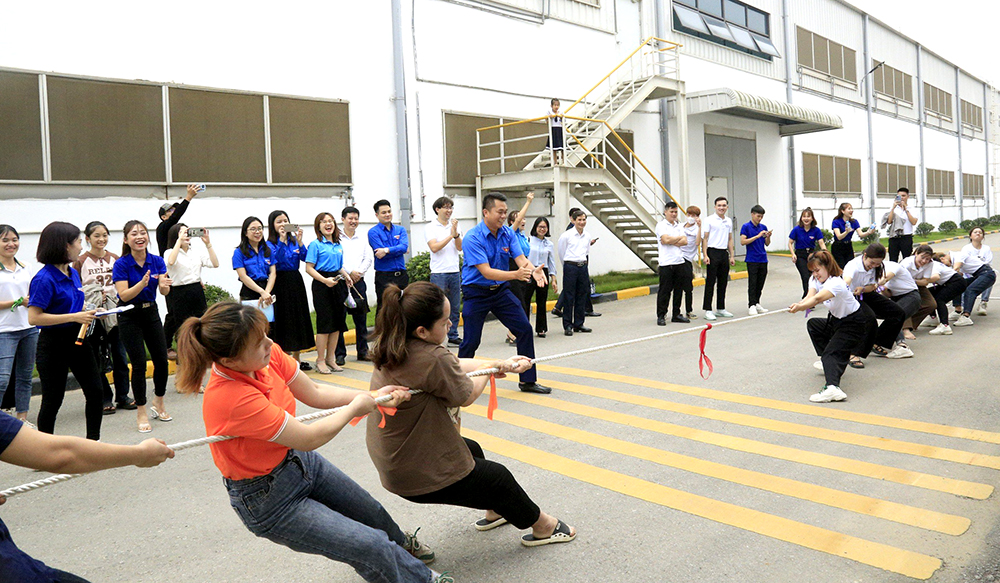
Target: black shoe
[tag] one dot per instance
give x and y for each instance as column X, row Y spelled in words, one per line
column 568, row 332
column 557, row 312
column 582, row 329
column 364, row 357
column 341, row 360
column 681, row 319
column 593, row 314
column 534, row 388
column 661, row 322
column 128, row 405
column 305, row 366
column 109, row 409
column 455, row 341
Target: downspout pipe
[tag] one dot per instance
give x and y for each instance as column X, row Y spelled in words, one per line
column 661, row 28
column 922, row 119
column 986, row 142
column 869, row 97
column 958, row 126
column 399, row 101
column 789, row 72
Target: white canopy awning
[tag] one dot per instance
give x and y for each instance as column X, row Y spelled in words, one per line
column 792, row 119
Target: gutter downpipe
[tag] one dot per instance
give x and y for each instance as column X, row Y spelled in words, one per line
column 868, row 113
column 986, row 142
column 960, row 179
column 921, row 120
column 662, row 103
column 789, row 71
column 399, row 101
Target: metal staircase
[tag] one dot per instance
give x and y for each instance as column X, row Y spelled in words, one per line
column 598, row 168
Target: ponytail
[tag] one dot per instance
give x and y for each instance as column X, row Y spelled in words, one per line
column 400, row 314
column 225, row 331
column 192, row 356
column 876, row 251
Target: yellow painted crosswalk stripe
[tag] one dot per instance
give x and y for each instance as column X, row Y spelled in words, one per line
column 892, row 511
column 828, row 412
column 904, row 562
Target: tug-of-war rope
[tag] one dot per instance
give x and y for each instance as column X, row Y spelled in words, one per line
column 703, row 363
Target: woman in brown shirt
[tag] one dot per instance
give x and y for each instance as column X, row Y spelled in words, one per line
column 420, row 454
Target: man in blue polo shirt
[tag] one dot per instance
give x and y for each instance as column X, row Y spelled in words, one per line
column 489, row 247
column 390, row 243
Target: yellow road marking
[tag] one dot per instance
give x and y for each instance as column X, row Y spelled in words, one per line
column 865, row 418
column 901, row 513
column 908, row 563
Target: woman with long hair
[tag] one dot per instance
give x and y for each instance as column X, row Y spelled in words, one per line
column 844, row 227
column 419, row 453
column 278, row 485
column 184, row 264
column 949, row 285
column 325, row 264
column 292, row 328
column 254, row 263
column 542, row 253
column 973, row 261
column 96, row 267
column 862, row 274
column 138, row 274
column 56, row 306
column 18, row 338
column 802, row 241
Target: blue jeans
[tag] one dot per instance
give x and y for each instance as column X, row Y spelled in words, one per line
column 310, row 506
column 17, row 356
column 983, row 279
column 451, row 283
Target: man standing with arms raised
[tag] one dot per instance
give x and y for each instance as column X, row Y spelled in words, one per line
column 488, row 247
column 390, row 243
column 358, row 259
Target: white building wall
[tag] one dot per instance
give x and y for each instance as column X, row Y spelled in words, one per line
column 900, row 54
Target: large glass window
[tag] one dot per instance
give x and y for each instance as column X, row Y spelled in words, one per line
column 727, row 22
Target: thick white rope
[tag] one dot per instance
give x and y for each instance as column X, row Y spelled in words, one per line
column 327, row 412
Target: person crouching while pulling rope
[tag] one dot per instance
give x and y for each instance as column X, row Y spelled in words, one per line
column 419, row 453
column 279, row 486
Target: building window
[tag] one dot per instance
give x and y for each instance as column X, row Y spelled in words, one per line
column 893, row 83
column 940, row 182
column 937, row 102
column 892, row 177
column 830, row 174
column 726, row 22
column 972, row 185
column 822, row 54
column 21, row 156
column 972, row 115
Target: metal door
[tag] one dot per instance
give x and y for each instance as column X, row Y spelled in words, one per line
column 731, row 167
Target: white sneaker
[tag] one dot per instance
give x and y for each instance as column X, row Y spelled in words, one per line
column 953, row 316
column 29, row 424
column 929, row 322
column 942, row 329
column 829, row 393
column 753, row 310
column 900, row 351
column 964, row 320
column 761, row 309
column 982, row 309
column 818, row 365
column 710, row 316
column 724, row 313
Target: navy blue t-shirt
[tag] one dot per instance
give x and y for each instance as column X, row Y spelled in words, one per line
column 15, row 565
column 841, row 225
column 806, row 239
column 756, row 251
column 126, row 269
column 56, row 293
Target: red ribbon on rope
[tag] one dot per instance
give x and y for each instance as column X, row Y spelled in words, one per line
column 704, row 359
column 390, row 411
column 493, row 398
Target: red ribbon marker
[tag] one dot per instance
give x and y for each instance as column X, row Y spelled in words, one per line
column 493, row 398
column 704, row 359
column 390, row 411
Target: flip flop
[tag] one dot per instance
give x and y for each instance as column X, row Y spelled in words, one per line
column 145, row 427
column 484, row 524
column 562, row 534
column 157, row 415
column 856, row 363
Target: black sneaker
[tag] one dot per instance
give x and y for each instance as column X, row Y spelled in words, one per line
column 305, row 366
column 681, row 319
column 568, row 332
column 661, row 322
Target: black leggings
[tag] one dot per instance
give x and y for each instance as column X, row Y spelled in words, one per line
column 801, row 263
column 142, row 330
column 892, row 316
column 842, row 251
column 490, row 486
column 541, row 300
column 184, row 301
column 835, row 338
column 57, row 355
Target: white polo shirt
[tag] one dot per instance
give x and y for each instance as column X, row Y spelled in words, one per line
column 910, row 264
column 843, row 303
column 860, row 277
column 907, row 225
column 669, row 254
column 358, row 254
column 445, row 260
column 972, row 259
column 574, row 246
column 717, row 230
column 13, row 285
column 901, row 282
column 944, row 272
column 187, row 269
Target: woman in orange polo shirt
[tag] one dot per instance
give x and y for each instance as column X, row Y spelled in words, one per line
column 282, row 489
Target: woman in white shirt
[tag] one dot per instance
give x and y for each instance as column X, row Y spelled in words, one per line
column 846, row 326
column 542, row 253
column 974, row 263
column 920, row 266
column 861, row 274
column 903, row 291
column 184, row 265
column 18, row 338
column 948, row 285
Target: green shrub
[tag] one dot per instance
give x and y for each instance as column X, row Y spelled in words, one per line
column 947, row 226
column 418, row 268
column 872, row 237
column 995, row 220
column 827, row 237
column 981, row 222
column 215, row 294
column 924, row 229
column 966, row 225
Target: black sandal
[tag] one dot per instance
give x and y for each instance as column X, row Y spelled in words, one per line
column 856, row 362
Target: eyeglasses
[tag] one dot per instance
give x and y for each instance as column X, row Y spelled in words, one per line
column 255, row 230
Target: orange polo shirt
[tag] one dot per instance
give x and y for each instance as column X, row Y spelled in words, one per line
column 253, row 408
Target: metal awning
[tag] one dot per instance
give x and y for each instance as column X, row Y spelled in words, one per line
column 791, row 119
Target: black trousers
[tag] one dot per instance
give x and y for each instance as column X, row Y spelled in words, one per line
column 541, row 295
column 141, row 330
column 490, row 486
column 801, row 261
column 57, row 355
column 360, row 317
column 835, row 338
column 576, row 286
column 687, row 284
column 183, row 302
column 671, row 277
column 901, row 245
column 561, row 301
column 384, row 279
column 951, row 289
column 842, row 252
column 716, row 278
column 110, row 340
column 892, row 316
column 756, row 276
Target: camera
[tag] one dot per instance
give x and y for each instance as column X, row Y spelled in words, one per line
column 196, row 231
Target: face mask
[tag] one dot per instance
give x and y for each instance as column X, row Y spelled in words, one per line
column 690, row 221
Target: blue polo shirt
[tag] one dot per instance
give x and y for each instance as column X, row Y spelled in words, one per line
column 15, row 565
column 56, row 293
column 287, row 255
column 395, row 240
column 126, row 269
column 481, row 246
column 841, row 225
column 806, row 239
column 523, row 241
column 325, row 255
column 756, row 251
column 258, row 265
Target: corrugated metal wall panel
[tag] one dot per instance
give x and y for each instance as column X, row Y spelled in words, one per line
column 971, row 90
column 585, row 13
column 900, row 54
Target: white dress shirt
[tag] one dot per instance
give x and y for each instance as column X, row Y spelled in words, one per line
column 717, row 231
column 446, row 259
column 358, row 254
column 574, row 246
column 187, row 269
